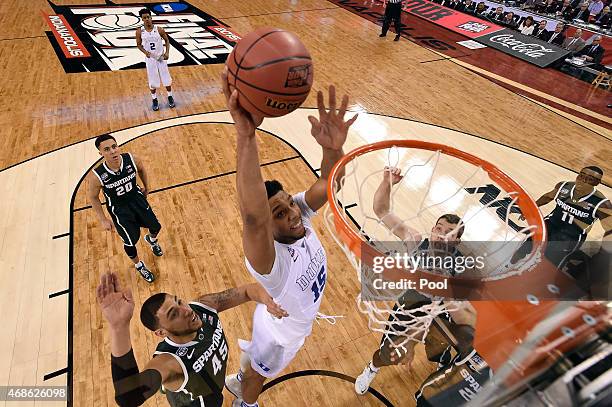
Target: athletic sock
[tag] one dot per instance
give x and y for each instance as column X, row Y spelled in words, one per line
column 245, row 404
column 152, row 239
column 139, row 264
column 154, row 95
column 372, row 368
column 169, row 93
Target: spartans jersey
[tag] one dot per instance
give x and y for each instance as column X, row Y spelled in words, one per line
column 297, row 280
column 563, row 218
column 456, row 383
column 152, row 41
column 118, row 187
column 204, row 359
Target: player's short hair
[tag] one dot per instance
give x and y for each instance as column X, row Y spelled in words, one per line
column 150, row 308
column 273, row 187
column 103, row 138
column 144, row 11
column 453, row 220
column 594, row 169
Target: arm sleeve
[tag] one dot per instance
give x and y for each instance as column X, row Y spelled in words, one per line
column 132, row 388
column 300, row 200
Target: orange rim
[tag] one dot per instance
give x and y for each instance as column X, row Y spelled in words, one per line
column 353, row 240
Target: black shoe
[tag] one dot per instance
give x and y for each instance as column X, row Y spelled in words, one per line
column 155, row 247
column 146, row 273
column 397, row 37
column 382, row 35
column 171, row 102
column 155, row 105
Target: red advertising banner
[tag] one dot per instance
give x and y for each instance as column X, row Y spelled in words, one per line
column 456, row 21
column 68, row 41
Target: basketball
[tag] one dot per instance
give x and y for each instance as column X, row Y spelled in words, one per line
column 272, row 71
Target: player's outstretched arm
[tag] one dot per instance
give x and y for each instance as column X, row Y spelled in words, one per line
column 549, row 196
column 93, row 194
column 132, row 387
column 235, row 296
column 330, row 131
column 257, row 237
column 382, row 207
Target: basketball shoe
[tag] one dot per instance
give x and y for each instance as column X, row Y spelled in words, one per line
column 145, row 273
column 155, row 247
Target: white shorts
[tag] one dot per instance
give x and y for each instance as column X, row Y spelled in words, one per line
column 268, row 356
column 155, row 70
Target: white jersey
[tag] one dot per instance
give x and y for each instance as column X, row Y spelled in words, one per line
column 152, row 41
column 296, row 281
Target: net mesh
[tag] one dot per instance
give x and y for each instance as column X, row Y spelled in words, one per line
column 432, row 183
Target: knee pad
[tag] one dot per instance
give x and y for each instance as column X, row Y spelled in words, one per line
column 130, row 251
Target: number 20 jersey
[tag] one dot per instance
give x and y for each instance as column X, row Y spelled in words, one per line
column 562, row 219
column 118, row 187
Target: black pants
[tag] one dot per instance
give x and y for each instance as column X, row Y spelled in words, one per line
column 393, row 12
column 130, row 216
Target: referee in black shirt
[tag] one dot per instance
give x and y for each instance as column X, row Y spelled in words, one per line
column 393, row 12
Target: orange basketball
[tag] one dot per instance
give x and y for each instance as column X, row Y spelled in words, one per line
column 272, row 71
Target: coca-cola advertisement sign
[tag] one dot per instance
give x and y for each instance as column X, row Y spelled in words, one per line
column 525, row 47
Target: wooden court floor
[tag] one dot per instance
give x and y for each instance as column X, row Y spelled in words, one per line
column 192, row 167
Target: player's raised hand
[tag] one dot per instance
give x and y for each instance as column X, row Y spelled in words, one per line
column 117, row 305
column 401, row 354
column 330, row 130
column 245, row 122
column 393, row 175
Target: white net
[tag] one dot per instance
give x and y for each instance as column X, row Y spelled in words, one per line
column 427, row 185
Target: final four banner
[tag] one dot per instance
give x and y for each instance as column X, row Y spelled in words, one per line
column 93, row 38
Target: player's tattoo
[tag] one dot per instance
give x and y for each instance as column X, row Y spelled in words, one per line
column 225, row 299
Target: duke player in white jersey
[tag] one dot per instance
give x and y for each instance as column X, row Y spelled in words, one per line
column 281, row 247
column 149, row 41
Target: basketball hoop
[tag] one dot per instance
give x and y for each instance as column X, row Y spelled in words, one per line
column 361, row 236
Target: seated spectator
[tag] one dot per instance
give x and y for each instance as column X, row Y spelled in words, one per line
column 497, row 15
column 595, row 7
column 547, row 8
column 604, row 19
column 574, row 43
column 593, row 53
column 481, row 10
column 456, row 5
column 469, row 7
column 541, row 32
column 527, row 26
column 529, row 4
column 582, row 13
column 508, row 20
column 565, row 10
column 558, row 36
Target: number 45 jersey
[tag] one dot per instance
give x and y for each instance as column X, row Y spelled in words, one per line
column 204, row 359
column 572, row 218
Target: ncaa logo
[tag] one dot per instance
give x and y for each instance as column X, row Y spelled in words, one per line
column 112, row 22
column 182, row 351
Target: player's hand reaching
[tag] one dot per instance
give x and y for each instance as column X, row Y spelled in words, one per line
column 166, row 55
column 401, row 354
column 117, row 305
column 245, row 122
column 392, row 174
column 330, row 130
column 275, row 309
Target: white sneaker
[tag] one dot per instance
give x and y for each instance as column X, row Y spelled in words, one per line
column 362, row 383
column 234, row 386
